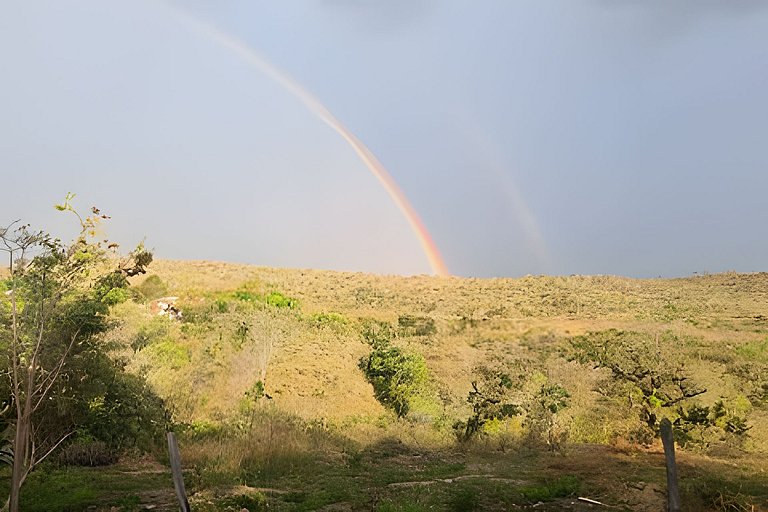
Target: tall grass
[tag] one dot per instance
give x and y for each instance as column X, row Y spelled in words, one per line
column 260, row 447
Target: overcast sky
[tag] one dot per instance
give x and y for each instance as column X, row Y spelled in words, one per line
column 559, row 137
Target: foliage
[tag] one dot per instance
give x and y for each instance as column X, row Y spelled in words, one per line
column 169, row 353
column 503, row 388
column 495, row 395
column 122, row 410
column 376, row 333
column 333, row 320
column 695, row 424
column 152, row 288
column 397, row 377
column 149, row 333
column 754, row 350
column 647, row 369
column 754, row 378
column 251, row 501
column 279, row 300
column 60, row 295
column 542, row 418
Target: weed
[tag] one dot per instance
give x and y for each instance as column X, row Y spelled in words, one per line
column 562, row 487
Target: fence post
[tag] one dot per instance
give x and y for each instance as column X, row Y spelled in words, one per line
column 673, row 492
column 178, row 479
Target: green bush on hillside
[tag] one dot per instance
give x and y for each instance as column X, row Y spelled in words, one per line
column 279, row 300
column 328, row 319
column 376, row 333
column 397, row 377
column 152, row 288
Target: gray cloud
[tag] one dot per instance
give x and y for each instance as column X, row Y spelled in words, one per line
column 380, row 17
column 672, row 18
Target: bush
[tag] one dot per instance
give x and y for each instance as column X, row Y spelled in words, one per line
column 376, row 333
column 563, row 487
column 125, row 413
column 251, row 501
column 397, row 377
column 279, row 300
column 334, row 320
column 152, row 288
column 495, row 395
column 87, row 453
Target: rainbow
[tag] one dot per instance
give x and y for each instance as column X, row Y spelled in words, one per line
column 252, row 57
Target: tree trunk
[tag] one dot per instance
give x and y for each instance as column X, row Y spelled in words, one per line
column 20, row 447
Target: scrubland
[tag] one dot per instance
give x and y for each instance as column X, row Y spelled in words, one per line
column 318, row 390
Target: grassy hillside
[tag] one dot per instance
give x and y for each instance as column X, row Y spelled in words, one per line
column 264, row 381
column 308, row 355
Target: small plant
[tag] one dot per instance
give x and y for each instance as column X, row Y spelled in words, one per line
column 328, row 319
column 241, row 334
column 251, row 501
column 278, row 300
column 563, row 487
column 542, row 415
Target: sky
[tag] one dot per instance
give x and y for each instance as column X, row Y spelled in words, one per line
column 529, row 137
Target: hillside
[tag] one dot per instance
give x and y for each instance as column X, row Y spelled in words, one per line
column 312, row 364
column 269, row 380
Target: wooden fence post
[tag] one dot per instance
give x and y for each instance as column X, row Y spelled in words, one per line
column 178, row 479
column 673, row 492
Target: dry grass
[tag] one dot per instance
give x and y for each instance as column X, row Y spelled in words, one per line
column 312, row 371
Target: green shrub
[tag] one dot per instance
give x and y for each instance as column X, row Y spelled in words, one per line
column 495, row 395
column 125, row 413
column 279, row 300
column 376, row 333
column 647, row 368
column 246, row 296
column 334, row 320
column 397, row 377
column 252, row 501
column 152, row 288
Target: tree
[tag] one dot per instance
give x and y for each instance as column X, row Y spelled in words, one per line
column 647, row 369
column 56, row 301
column 495, row 395
column 503, row 388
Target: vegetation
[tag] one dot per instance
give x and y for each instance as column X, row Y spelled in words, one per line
column 57, row 300
column 308, row 390
column 397, row 377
